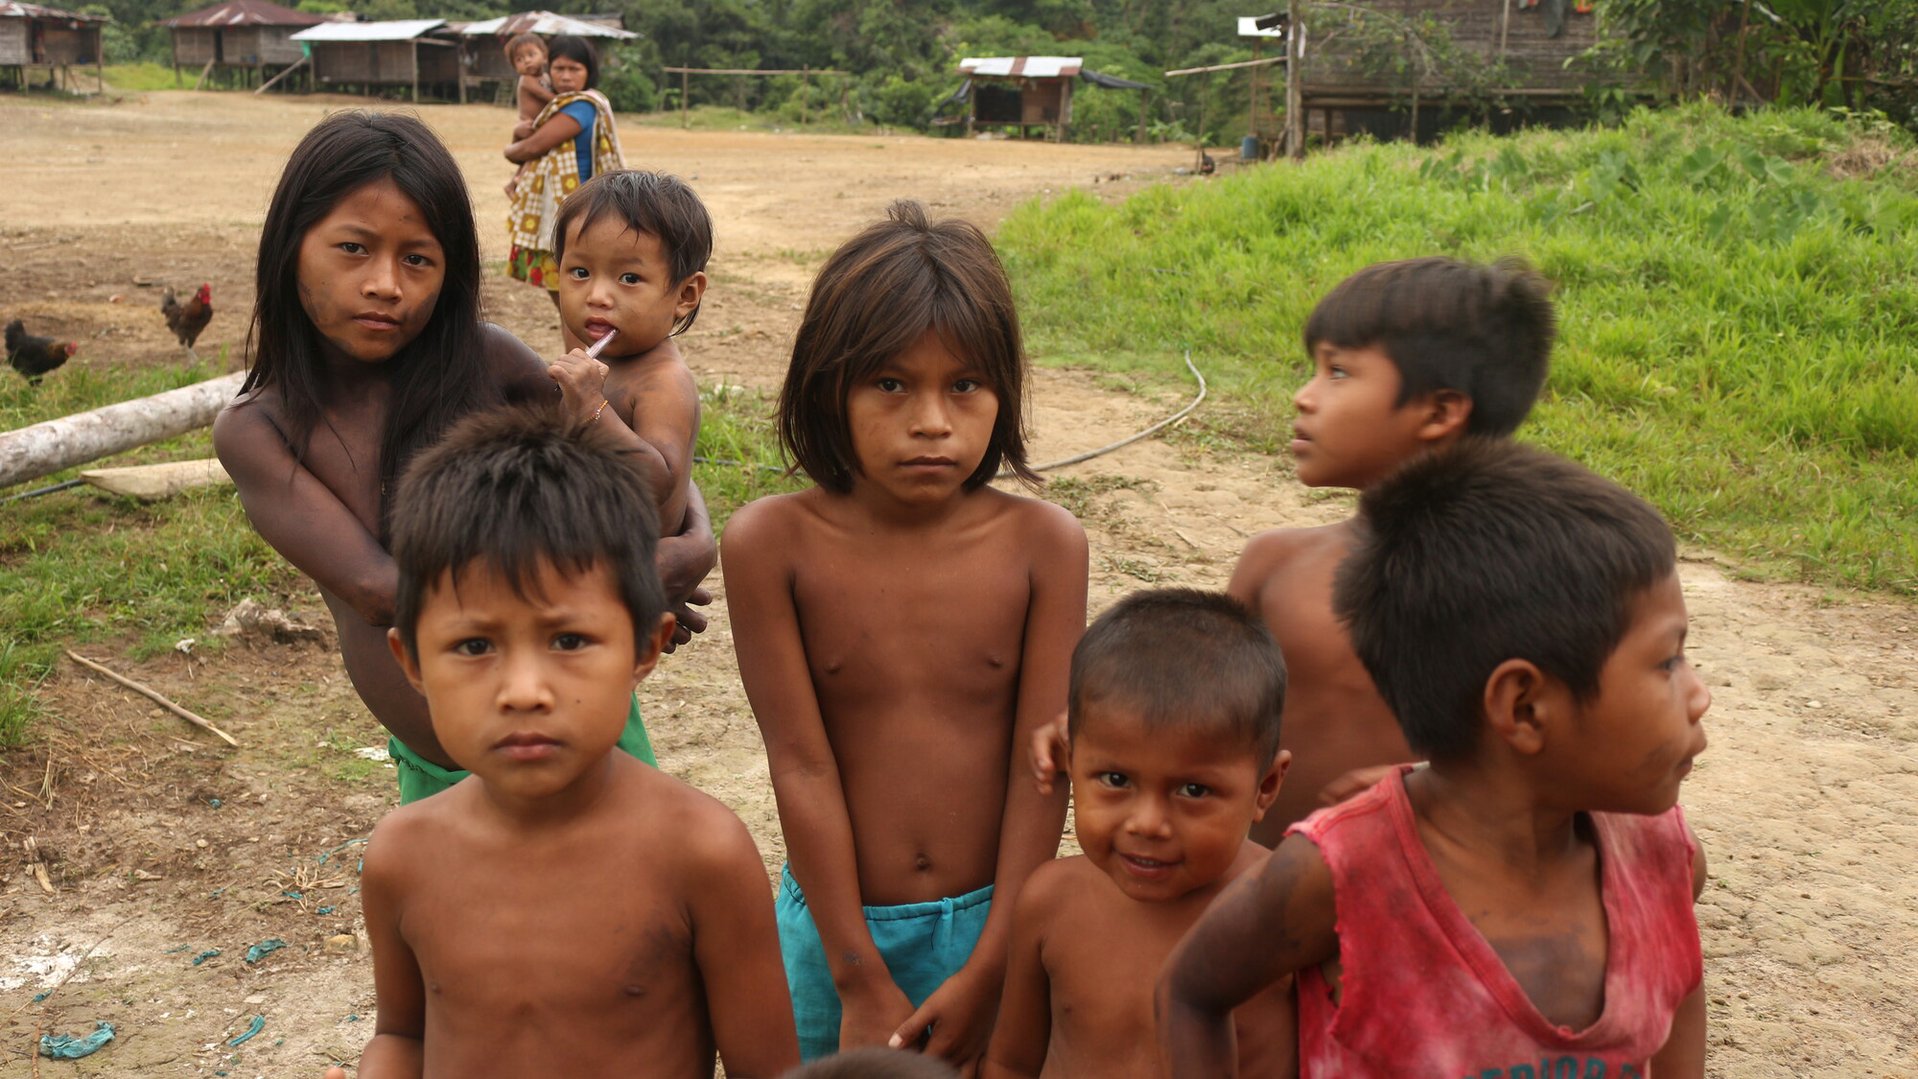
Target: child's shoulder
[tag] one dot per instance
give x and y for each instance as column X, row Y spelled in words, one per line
column 768, row 522
column 1036, row 518
column 1283, row 549
column 1056, row 887
column 677, row 822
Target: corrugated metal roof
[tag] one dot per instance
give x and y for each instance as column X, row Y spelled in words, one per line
column 244, row 13
column 14, row 9
column 393, row 30
column 1031, row 67
column 543, row 22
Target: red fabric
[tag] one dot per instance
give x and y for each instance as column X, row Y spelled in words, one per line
column 1423, row 994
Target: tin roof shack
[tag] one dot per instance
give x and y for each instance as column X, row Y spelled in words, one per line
column 1397, row 67
column 1025, row 92
column 239, row 40
column 369, row 55
column 33, row 38
column 483, row 44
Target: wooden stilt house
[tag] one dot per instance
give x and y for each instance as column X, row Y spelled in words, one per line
column 36, row 40
column 1025, row 93
column 370, row 56
column 250, row 41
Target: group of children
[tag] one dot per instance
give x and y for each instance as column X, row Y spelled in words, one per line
column 1482, row 674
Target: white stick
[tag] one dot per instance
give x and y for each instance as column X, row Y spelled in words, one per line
column 154, row 695
column 593, row 350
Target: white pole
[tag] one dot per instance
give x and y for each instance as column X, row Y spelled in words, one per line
column 46, row 448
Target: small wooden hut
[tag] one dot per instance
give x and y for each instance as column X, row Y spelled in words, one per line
column 1027, row 92
column 412, row 53
column 1518, row 48
column 35, row 38
column 243, row 38
column 482, row 44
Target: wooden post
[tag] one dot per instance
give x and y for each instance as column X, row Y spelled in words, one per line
column 204, row 72
column 268, row 84
column 416, row 71
column 45, row 448
column 685, row 101
column 1252, row 102
column 1144, row 96
column 1294, row 90
column 1504, row 24
column 459, row 68
column 805, row 92
column 1065, row 110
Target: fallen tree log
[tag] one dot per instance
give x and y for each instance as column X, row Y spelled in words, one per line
column 46, row 448
column 150, row 483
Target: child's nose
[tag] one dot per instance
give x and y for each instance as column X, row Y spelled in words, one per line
column 523, row 686
column 1149, row 817
column 1698, row 698
column 382, row 279
column 931, row 416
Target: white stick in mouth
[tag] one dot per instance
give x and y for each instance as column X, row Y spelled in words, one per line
column 593, row 350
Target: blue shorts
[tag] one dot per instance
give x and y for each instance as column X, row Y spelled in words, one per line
column 923, row 944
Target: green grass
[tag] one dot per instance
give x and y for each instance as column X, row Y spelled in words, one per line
column 1739, row 329
column 824, row 121
column 145, row 75
column 741, row 452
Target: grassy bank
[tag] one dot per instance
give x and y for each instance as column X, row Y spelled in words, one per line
column 1737, row 296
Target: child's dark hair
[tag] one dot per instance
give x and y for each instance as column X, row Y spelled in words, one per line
column 1488, row 552
column 439, row 375
column 873, row 1063
column 578, row 49
column 876, row 296
column 520, row 41
column 1183, row 658
column 650, row 202
column 517, row 486
column 1485, row 331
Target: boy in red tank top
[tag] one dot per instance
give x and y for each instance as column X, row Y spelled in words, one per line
column 1521, row 908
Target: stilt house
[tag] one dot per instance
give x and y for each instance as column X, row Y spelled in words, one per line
column 249, row 39
column 44, row 40
column 410, row 53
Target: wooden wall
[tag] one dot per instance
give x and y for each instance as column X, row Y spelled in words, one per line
column 1534, row 60
column 61, row 44
column 240, row 46
column 13, row 42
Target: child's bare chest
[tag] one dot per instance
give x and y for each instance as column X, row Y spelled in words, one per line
column 1554, row 945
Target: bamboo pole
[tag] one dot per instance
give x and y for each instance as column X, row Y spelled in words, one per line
column 268, row 84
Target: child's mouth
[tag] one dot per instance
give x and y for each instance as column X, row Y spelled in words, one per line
column 1146, row 868
column 523, row 746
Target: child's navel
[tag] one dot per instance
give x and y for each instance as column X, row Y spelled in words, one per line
column 921, row 862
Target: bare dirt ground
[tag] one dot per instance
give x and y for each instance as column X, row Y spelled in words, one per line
column 162, row 846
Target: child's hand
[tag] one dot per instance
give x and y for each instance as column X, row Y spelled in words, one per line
column 522, row 130
column 871, row 1015
column 582, row 382
column 335, row 1073
column 1051, row 747
column 955, row 1022
column 512, row 187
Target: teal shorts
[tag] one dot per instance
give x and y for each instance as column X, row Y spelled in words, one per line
column 923, row 944
column 420, row 777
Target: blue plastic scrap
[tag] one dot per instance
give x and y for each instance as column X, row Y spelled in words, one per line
column 70, row 1047
column 324, row 910
column 263, row 949
column 258, row 1023
column 204, row 956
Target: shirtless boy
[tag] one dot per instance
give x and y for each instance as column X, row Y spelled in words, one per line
column 1408, row 357
column 565, row 910
column 902, row 626
column 632, row 250
column 1175, row 752
column 1521, row 908
column 527, row 54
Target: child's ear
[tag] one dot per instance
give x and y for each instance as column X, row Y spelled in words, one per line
column 1446, row 414
column 1269, row 784
column 648, row 648
column 1521, row 702
column 691, row 291
column 408, row 665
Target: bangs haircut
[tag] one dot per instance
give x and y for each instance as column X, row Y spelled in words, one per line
column 520, row 41
column 875, row 297
column 576, row 48
column 1488, row 552
column 1484, row 331
column 1186, row 660
column 513, row 488
column 655, row 203
column 437, row 377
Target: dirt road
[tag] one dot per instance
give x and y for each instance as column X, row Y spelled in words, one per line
column 163, row 847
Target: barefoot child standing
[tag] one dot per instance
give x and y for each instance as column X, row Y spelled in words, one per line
column 1175, row 752
column 565, row 910
column 900, row 628
column 1522, row 906
column 632, row 250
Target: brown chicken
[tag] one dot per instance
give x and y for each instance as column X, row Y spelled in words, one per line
column 186, row 320
column 35, row 356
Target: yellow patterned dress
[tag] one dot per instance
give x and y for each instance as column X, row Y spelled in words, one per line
column 529, row 223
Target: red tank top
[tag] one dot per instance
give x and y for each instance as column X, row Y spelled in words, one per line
column 1424, row 994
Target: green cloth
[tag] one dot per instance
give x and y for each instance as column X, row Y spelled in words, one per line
column 420, row 777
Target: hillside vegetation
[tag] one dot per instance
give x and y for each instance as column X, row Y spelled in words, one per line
column 1738, row 300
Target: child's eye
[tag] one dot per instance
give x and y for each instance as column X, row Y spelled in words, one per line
column 629, row 279
column 966, row 385
column 569, row 642
column 351, row 248
column 1673, row 663
column 1115, row 780
column 578, row 273
column 473, row 646
column 418, row 260
column 1335, row 371
column 1193, row 790
column 889, row 385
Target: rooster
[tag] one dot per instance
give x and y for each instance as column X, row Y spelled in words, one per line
column 188, row 319
column 35, row 356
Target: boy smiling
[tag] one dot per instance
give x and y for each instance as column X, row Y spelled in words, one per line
column 565, row 910
column 1175, row 753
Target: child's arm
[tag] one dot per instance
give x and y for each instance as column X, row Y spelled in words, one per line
column 397, row 1048
column 1024, row 1029
column 1264, row 926
column 662, row 408
column 805, row 774
column 1683, row 1055
column 736, row 947
column 961, row 1011
column 535, row 89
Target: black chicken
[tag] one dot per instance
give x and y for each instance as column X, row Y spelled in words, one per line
column 35, row 356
